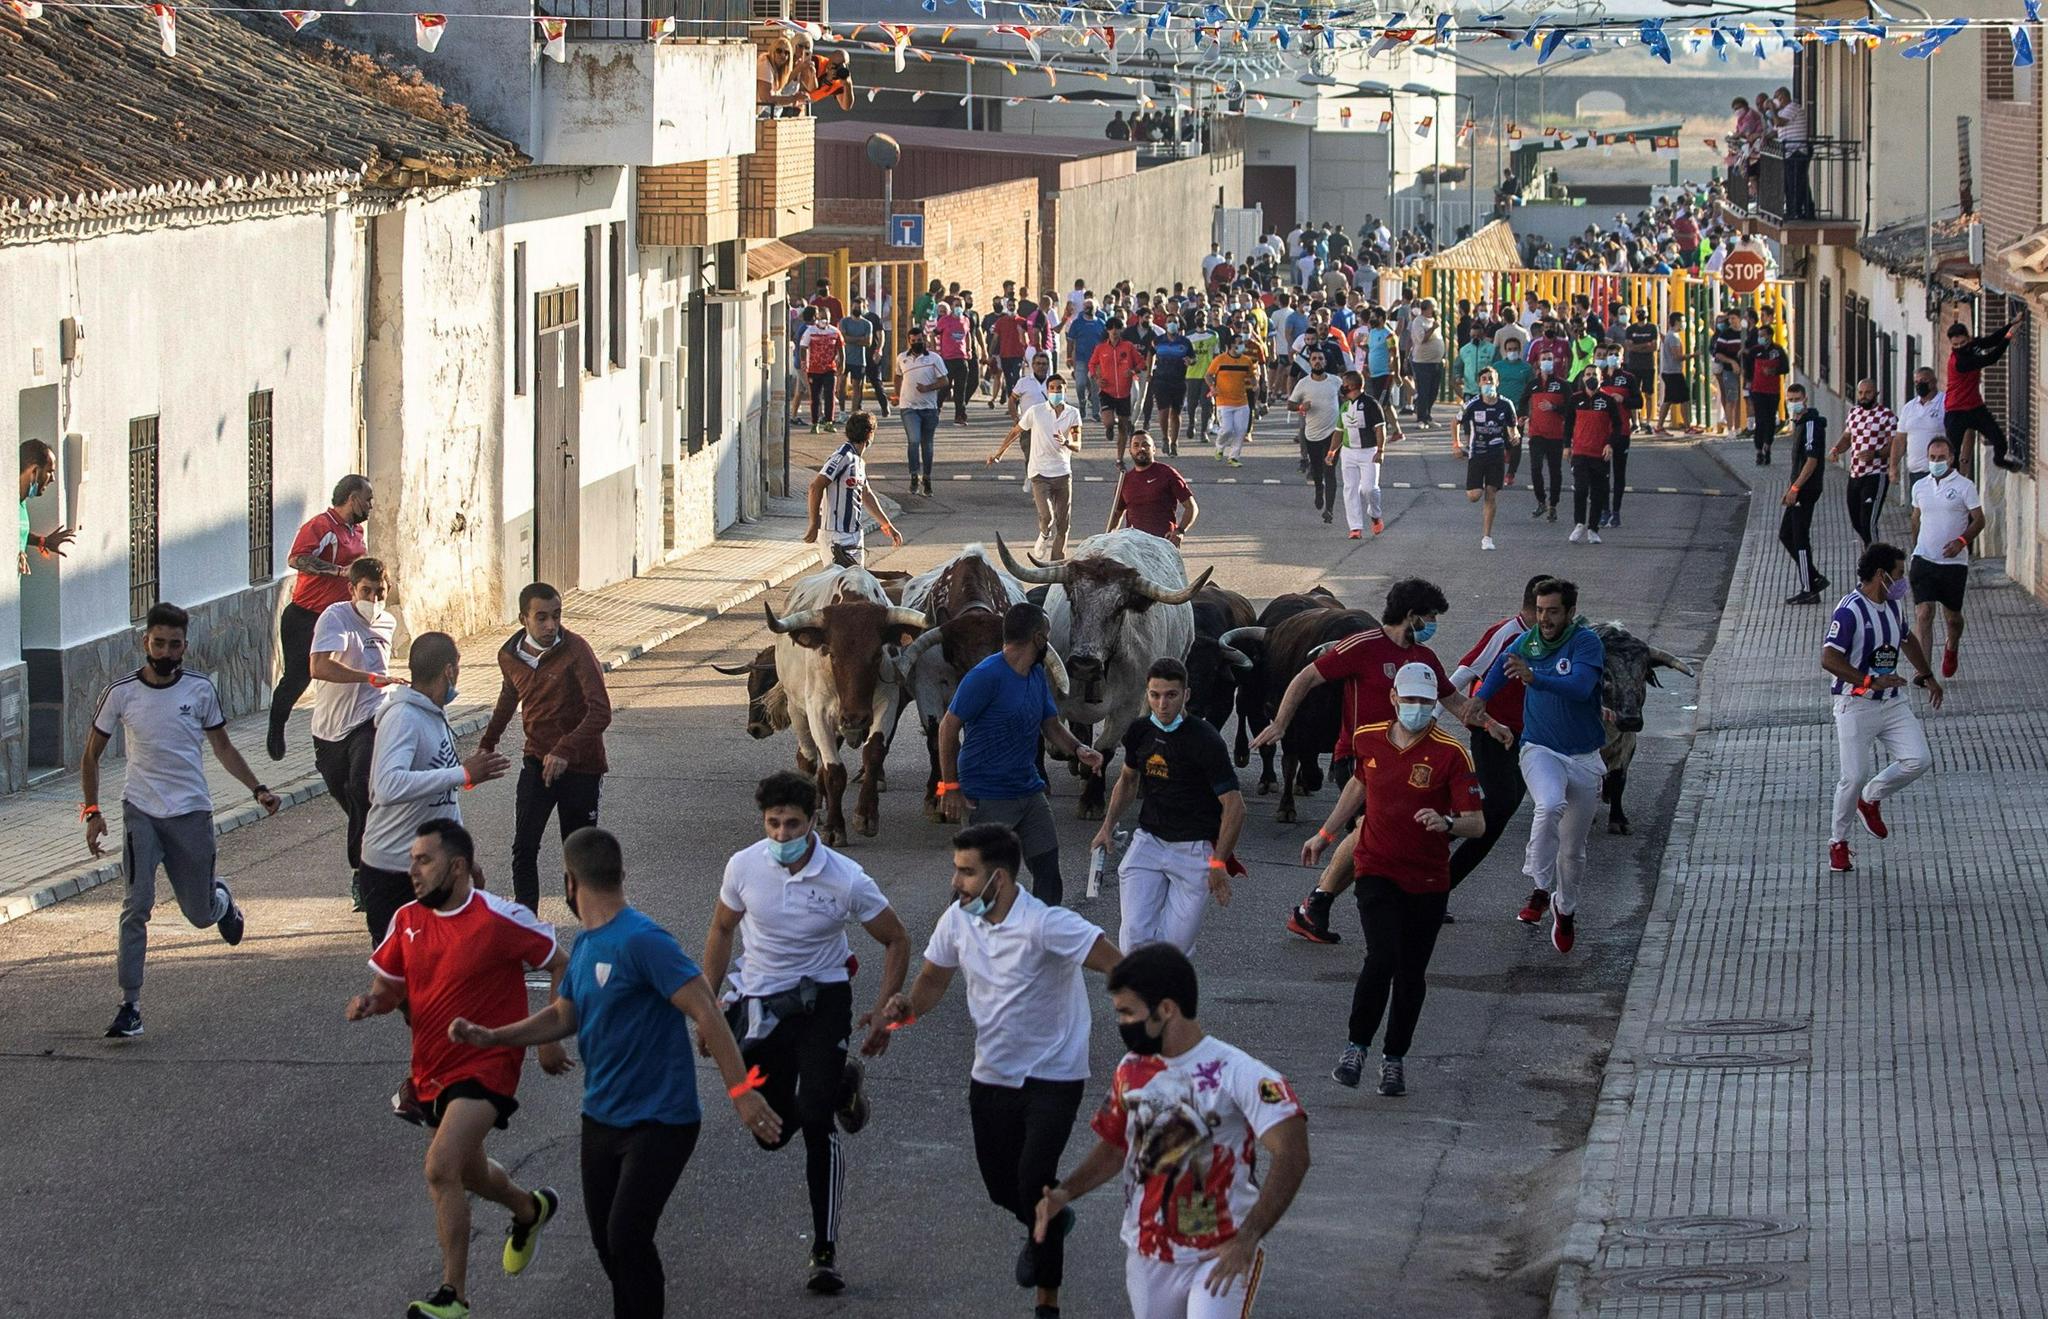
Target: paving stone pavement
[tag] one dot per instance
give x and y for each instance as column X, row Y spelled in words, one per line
column 1825, row 1093
column 43, row 845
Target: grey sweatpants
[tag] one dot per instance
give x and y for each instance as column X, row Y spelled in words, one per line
column 183, row 845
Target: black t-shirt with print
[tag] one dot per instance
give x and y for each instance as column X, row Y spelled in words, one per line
column 1182, row 776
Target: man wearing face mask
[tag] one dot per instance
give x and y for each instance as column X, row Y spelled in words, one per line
column 1481, row 435
column 38, row 472
column 1626, row 388
column 1867, row 434
column 791, row 898
column 1764, row 366
column 552, row 678
column 1865, row 638
column 1419, row 790
column 321, row 553
column 1317, row 400
column 1231, row 376
column 1549, row 416
column 1054, row 429
column 415, row 776
column 1726, row 347
column 166, row 713
column 1593, row 417
column 1189, row 816
column 1920, row 422
column 1947, row 517
column 1186, row 1121
column 1170, row 353
column 1022, row 961
column 1795, row 527
column 921, row 376
column 351, row 665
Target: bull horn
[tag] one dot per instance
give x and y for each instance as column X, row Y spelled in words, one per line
column 1160, row 595
column 1236, row 658
column 1034, row 576
column 1665, row 659
column 1320, row 649
column 1056, row 672
column 904, row 616
column 794, row 623
column 742, row 669
column 1237, row 636
column 912, row 653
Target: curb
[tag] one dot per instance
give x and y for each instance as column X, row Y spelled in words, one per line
column 57, row 886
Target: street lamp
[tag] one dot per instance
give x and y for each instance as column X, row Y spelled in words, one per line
column 1436, row 177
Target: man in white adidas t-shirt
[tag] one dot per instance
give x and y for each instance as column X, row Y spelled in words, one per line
column 166, row 807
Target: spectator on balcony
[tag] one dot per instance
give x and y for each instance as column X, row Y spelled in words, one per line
column 832, row 81
column 1790, row 121
column 775, row 76
column 1118, row 130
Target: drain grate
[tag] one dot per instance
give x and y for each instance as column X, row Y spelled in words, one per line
column 1705, row 1228
column 1728, row 1058
column 1736, row 1026
column 1696, row 1280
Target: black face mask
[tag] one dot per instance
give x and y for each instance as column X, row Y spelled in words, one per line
column 435, row 899
column 1139, row 1040
column 1924, row 388
column 569, row 896
column 163, row 665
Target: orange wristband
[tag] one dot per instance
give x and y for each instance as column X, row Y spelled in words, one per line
column 1217, row 863
column 1325, row 835
column 945, row 788
column 754, row 1081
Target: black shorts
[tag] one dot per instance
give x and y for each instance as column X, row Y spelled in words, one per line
column 505, row 1104
column 1486, row 469
column 1676, row 390
column 1120, row 406
column 1938, row 583
column 1168, row 391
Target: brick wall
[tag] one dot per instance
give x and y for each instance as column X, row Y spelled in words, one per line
column 979, row 237
column 693, row 205
column 775, row 181
column 2010, row 193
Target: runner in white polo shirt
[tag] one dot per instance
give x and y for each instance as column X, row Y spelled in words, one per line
column 790, row 897
column 1055, row 431
column 1947, row 515
column 1920, row 420
column 1023, row 962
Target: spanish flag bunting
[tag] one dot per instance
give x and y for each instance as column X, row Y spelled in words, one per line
column 299, row 18
column 660, row 28
column 947, row 35
column 554, row 39
column 899, row 39
column 166, row 28
column 427, row 30
column 28, row 10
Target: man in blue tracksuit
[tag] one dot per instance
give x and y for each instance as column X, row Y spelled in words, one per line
column 1560, row 661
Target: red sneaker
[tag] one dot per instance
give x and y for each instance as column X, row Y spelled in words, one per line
column 1948, row 662
column 1378, row 526
column 1355, row 535
column 1532, row 910
column 1301, row 921
column 1509, row 479
column 1873, row 819
column 1838, row 858
column 1563, row 932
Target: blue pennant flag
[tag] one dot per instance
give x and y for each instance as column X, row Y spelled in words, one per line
column 1829, row 32
column 1870, row 29
column 978, row 9
column 1286, row 38
column 1551, row 41
column 1493, row 18
column 1127, row 8
column 1066, row 15
column 1651, row 30
column 2033, row 11
column 1930, row 40
column 2022, row 48
column 1443, row 26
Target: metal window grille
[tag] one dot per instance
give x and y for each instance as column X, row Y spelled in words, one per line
column 1827, row 312
column 615, row 321
column 2019, row 393
column 262, row 564
column 593, row 299
column 142, row 523
column 520, row 347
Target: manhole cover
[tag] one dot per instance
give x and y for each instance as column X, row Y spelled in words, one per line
column 1697, row 1280
column 1707, row 1227
column 1736, row 1026
column 1728, row 1058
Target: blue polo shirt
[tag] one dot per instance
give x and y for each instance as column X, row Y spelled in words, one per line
column 638, row 1065
column 1001, row 713
column 1085, row 333
column 1561, row 708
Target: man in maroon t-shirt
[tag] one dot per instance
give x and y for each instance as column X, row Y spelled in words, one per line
column 1152, row 497
column 321, row 554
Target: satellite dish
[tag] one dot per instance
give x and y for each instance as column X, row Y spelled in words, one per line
column 883, row 151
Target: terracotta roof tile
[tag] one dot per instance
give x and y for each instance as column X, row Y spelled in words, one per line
column 93, row 115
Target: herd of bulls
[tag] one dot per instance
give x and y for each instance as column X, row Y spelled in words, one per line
column 853, row 648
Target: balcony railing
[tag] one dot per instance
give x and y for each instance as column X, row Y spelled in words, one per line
column 1822, row 186
column 634, row 20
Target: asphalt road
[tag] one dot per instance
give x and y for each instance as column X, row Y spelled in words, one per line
column 239, row 1159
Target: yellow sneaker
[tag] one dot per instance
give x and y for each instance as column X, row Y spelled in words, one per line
column 522, row 1240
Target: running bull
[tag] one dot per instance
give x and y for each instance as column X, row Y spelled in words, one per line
column 1285, row 649
column 1632, row 665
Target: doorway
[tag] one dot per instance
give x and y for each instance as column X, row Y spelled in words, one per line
column 557, row 444
column 41, row 623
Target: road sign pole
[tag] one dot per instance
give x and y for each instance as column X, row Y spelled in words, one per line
column 888, row 206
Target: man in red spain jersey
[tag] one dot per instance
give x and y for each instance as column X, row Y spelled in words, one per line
column 1419, row 790
column 459, row 952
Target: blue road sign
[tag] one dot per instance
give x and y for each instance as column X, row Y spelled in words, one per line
column 906, row 231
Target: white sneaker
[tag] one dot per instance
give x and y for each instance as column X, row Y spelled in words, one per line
column 1592, row 536
column 1038, row 549
column 1486, row 543
column 1578, row 536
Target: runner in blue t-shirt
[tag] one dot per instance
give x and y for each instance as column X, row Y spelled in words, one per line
column 988, row 746
column 628, row 988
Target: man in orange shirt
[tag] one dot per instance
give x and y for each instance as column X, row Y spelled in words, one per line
column 1232, row 375
column 1113, row 368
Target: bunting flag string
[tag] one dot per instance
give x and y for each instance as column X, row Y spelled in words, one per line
column 427, row 30
column 166, row 28
column 27, row 10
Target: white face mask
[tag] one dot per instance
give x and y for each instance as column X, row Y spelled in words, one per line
column 368, row 609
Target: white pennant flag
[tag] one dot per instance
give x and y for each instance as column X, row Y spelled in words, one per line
column 166, row 28
column 555, row 39
column 659, row 29
column 301, row 18
column 871, row 95
column 899, row 37
column 427, row 30
column 29, row 10
column 917, row 95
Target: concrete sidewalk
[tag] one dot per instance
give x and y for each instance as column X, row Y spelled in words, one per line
column 1824, row 1096
column 43, row 843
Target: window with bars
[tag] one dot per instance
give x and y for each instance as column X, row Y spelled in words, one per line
column 262, row 564
column 615, row 322
column 2019, row 393
column 593, row 299
column 520, row 348
column 1827, row 316
column 142, row 517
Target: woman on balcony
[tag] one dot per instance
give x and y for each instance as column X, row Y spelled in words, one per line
column 775, row 81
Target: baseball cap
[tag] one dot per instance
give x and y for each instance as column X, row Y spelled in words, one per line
column 1415, row 680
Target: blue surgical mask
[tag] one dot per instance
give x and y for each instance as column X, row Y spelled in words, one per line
column 1424, row 631
column 789, row 850
column 1487, row 391
column 1055, row 398
column 448, row 699
column 984, row 902
column 1415, row 718
column 1173, row 327
column 1167, row 728
column 35, row 488
column 1937, row 467
column 1794, row 408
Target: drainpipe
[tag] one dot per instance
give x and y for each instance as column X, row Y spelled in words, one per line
column 1927, row 180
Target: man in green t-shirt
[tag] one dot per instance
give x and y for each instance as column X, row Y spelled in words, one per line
column 1204, row 343
column 38, row 473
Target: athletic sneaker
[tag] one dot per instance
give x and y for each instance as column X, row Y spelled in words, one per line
column 1873, row 818
column 1838, row 857
column 1486, row 543
column 1532, row 910
column 406, row 1105
column 1564, row 932
column 1803, row 598
column 1311, row 924
column 825, row 1279
column 1538, row 511
column 852, row 1113
column 127, row 1023
column 1614, row 519
column 274, row 745
column 1232, row 462
column 231, row 922
column 443, row 1304
column 1578, row 536
column 1592, row 536
column 522, row 1240
column 1510, row 480
column 1948, row 661
column 1350, row 1067
column 1355, row 535
column 1392, row 1083
column 1553, row 512
column 1378, row 526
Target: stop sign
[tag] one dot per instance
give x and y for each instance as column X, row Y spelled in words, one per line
column 1742, row 271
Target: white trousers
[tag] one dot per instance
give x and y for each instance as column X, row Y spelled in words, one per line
column 1564, row 789
column 1164, row 891
column 1860, row 724
column 1231, row 426
column 1181, row 1290
column 1361, row 471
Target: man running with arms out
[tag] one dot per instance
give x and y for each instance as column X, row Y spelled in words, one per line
column 1023, row 962
column 1869, row 432
column 841, row 489
column 1866, row 636
column 1484, row 429
column 1498, row 766
column 1152, row 497
column 1317, row 400
column 1053, row 432
column 627, row 997
column 166, row 806
column 458, row 953
column 1559, row 662
column 1188, row 821
column 351, row 663
column 1418, row 788
column 1963, row 407
column 1947, row 515
column 791, row 898
column 1184, row 1122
